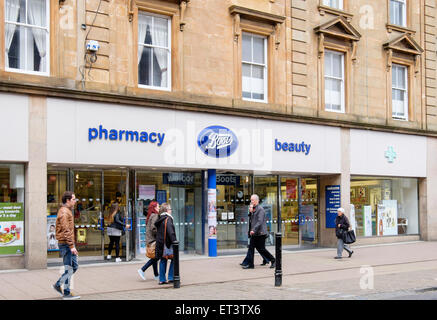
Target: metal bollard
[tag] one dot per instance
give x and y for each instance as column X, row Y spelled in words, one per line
column 176, row 276
column 278, row 267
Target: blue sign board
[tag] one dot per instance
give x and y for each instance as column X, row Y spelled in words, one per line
column 333, row 202
column 217, row 141
column 161, row 196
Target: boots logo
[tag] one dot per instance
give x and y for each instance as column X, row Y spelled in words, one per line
column 217, row 141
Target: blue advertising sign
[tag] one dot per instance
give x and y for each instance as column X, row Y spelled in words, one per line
column 217, row 141
column 333, row 202
column 161, row 196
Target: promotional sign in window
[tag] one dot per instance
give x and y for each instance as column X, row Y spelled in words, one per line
column 333, row 201
column 307, row 229
column 11, row 228
column 52, row 243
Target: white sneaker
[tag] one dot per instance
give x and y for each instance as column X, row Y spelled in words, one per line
column 117, row 259
column 142, row 274
column 108, row 257
column 156, row 277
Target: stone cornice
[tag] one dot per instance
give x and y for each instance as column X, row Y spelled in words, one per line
column 94, row 96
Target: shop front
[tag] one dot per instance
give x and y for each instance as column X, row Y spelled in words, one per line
column 119, row 152
column 386, row 171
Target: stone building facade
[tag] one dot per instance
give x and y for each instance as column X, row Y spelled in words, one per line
column 364, row 70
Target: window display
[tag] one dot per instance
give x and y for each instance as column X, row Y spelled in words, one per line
column 385, row 206
column 11, row 209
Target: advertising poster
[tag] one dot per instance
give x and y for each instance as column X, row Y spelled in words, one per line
column 291, row 186
column 333, row 201
column 52, row 243
column 367, row 212
column 242, row 228
column 390, row 218
column 146, row 192
column 380, row 223
column 269, row 218
column 11, row 228
column 353, row 221
column 212, row 214
column 161, row 196
column 307, row 228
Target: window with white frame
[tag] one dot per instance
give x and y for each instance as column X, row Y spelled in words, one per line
column 398, row 12
column 336, row 4
column 154, row 51
column 27, row 40
column 254, row 67
column 399, row 92
column 334, row 81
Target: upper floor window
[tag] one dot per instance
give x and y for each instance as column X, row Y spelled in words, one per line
column 399, row 92
column 154, row 51
column 334, row 81
column 27, row 36
column 336, row 4
column 254, row 60
column 398, row 12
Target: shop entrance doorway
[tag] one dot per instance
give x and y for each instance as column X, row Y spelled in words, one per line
column 96, row 192
column 298, row 200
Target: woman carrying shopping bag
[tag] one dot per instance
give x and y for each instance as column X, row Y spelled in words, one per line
column 165, row 236
column 341, row 226
column 152, row 217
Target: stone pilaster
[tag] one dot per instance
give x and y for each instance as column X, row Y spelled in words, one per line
column 36, row 186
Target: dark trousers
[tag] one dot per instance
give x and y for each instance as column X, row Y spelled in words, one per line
column 114, row 240
column 154, row 264
column 247, row 259
column 258, row 243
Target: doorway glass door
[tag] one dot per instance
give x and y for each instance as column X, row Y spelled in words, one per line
column 114, row 187
column 266, row 187
column 233, row 199
column 88, row 188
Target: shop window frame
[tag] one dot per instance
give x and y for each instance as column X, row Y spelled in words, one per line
column 49, row 41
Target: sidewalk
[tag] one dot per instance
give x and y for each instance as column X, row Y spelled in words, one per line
column 312, row 266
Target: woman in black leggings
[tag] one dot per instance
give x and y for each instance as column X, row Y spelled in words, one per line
column 115, row 230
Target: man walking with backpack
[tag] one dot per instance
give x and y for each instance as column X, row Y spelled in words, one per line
column 67, row 249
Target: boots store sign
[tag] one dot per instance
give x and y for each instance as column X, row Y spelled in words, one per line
column 217, row 141
column 108, row 134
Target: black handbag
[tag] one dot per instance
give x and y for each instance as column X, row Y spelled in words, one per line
column 349, row 237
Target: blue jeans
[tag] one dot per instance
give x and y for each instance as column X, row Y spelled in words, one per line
column 154, row 263
column 163, row 270
column 70, row 265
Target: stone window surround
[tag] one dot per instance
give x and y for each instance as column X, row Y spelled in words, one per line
column 260, row 23
column 409, row 58
column 171, row 9
column 345, row 43
column 323, row 9
column 51, row 63
column 404, row 29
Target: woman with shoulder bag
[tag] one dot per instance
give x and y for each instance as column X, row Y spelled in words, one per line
column 341, row 226
column 165, row 236
column 152, row 217
column 115, row 231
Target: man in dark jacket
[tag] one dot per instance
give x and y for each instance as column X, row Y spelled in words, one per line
column 247, row 258
column 341, row 225
column 165, row 236
column 258, row 234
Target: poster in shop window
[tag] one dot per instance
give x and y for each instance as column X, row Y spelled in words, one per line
column 367, row 221
column 11, row 228
column 146, row 192
column 52, row 243
column 390, row 218
column 307, row 228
